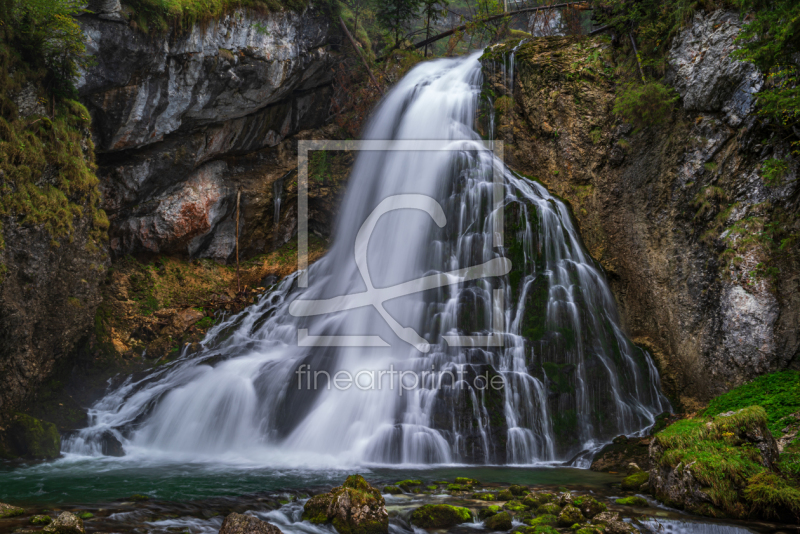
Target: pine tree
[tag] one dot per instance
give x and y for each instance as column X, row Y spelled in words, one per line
column 396, row 16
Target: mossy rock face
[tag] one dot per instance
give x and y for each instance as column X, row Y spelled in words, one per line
column 635, row 481
column 393, row 490
column 569, row 516
column 66, row 523
column 355, row 507
column 489, row 511
column 440, row 516
column 501, row 521
column 505, row 495
column 514, row 506
column 34, row 439
column 6, row 510
column 589, row 506
column 549, row 508
column 40, row 520
column 633, row 501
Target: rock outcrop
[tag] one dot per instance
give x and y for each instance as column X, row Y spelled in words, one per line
column 679, row 214
column 246, row 524
column 355, row 507
column 66, row 523
column 166, row 110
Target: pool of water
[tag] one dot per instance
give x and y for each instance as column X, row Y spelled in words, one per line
column 94, row 480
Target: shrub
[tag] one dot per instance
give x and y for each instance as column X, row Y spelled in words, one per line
column 645, row 105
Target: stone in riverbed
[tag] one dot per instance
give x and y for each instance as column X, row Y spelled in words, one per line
column 355, row 507
column 569, row 516
column 247, row 524
column 6, row 510
column 501, row 521
column 66, row 523
column 635, row 481
column 41, row 520
column 440, row 516
column 589, row 506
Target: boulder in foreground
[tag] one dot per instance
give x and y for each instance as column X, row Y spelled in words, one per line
column 355, row 507
column 247, row 524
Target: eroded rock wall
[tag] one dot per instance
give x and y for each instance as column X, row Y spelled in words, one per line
column 168, row 109
column 679, row 214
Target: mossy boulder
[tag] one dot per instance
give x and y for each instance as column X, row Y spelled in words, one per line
column 484, row 496
column 543, row 519
column 590, row 529
column 517, row 490
column 41, row 520
column 635, row 481
column 589, row 506
column 32, row 438
column 86, row 515
column 541, row 529
column 457, row 488
column 634, row 500
column 489, row 511
column 467, row 481
column 569, row 516
column 246, row 524
column 440, row 516
column 501, row 521
column 66, row 523
column 549, row 508
column 407, row 485
column 514, row 506
column 505, row 495
column 6, row 510
column 355, row 507
column 393, row 490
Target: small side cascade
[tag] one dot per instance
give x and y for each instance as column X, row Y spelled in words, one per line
column 277, row 197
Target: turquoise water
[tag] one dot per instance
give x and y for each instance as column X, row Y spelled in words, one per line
column 96, row 480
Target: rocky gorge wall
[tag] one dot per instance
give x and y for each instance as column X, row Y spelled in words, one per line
column 678, row 214
column 182, row 124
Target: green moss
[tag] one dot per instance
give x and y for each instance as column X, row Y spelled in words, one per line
column 514, row 506
column 777, row 393
column 505, row 495
column 467, row 481
column 569, row 516
column 634, row 482
column 41, row 520
column 321, row 508
column 138, row 497
column 548, row 508
column 6, row 510
column 34, row 438
column 86, row 515
column 484, row 496
column 632, row 501
column 488, row 511
column 458, row 487
column 589, row 506
column 440, row 516
column 543, row 519
column 772, row 496
column 408, row 483
column 500, row 521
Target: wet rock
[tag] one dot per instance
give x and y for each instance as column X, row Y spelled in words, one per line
column 549, row 508
column 66, row 523
column 569, row 516
column 589, row 506
column 705, row 74
column 617, row 455
column 633, row 501
column 613, row 523
column 635, row 481
column 440, row 516
column 355, row 507
column 517, row 490
column 39, row 520
column 28, row 437
column 489, row 511
column 110, row 445
column 501, row 521
column 6, row 510
column 514, row 506
column 392, row 490
column 505, row 495
column 246, row 524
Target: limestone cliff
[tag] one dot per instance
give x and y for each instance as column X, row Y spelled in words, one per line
column 678, row 214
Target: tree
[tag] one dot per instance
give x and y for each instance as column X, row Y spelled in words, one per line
column 396, row 16
column 433, row 11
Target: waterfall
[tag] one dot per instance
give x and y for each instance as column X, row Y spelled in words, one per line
column 559, row 376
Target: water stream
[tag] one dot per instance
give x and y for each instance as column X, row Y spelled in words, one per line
column 569, row 379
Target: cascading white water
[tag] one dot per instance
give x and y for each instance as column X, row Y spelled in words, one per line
column 570, row 378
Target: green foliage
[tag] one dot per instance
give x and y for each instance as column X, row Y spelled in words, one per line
column 777, row 393
column 633, row 501
column 396, row 16
column 646, row 104
column 770, row 38
column 768, row 493
column 160, row 16
column 773, row 171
